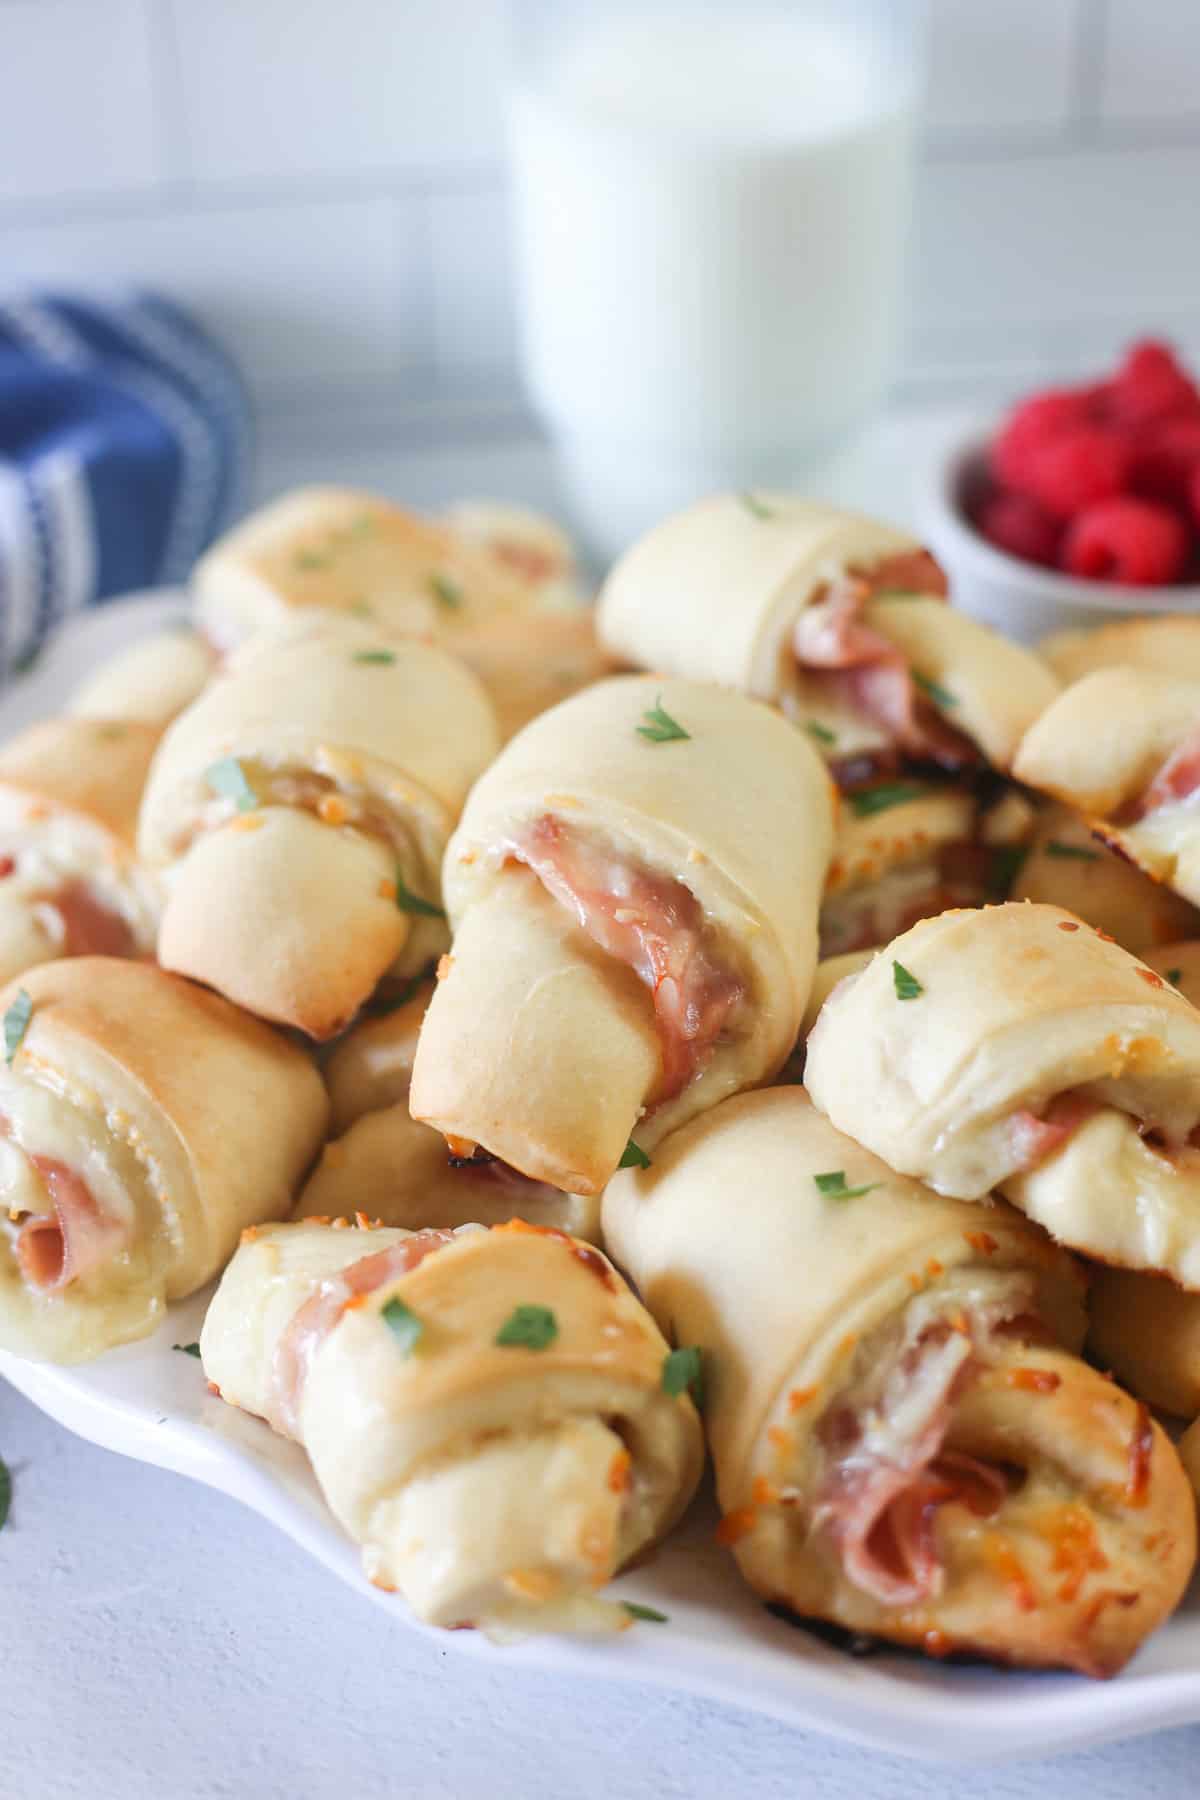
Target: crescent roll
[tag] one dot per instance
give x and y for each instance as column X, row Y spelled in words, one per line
column 1146, row 1330
column 634, row 890
column 381, row 1163
column 1018, row 1049
column 485, row 1411
column 150, row 681
column 1180, row 965
column 70, row 884
column 144, row 1124
column 1189, row 1454
column 300, row 810
column 1122, row 747
column 343, row 551
column 1170, row 644
column 528, row 662
column 904, row 1439
column 838, row 619
column 527, row 543
column 1068, row 866
column 902, row 851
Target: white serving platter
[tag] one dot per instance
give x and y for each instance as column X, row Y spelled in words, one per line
column 149, row 1402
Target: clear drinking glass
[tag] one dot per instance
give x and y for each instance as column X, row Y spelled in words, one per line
column 711, row 205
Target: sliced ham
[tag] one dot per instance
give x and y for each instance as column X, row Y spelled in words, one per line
column 861, row 669
column 89, row 927
column 1177, row 780
column 319, row 1314
column 652, row 923
column 54, row 1249
column 1033, row 1140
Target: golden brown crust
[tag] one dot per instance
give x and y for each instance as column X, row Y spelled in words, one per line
column 371, row 1067
column 1146, row 1329
column 93, row 768
column 528, row 662
column 1069, row 866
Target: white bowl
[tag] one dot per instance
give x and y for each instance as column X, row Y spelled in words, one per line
column 1019, row 598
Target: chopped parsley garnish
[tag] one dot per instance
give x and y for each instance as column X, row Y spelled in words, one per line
column 907, row 986
column 403, row 1324
column 1174, row 976
column 528, row 1328
column 1071, row 852
column 409, row 902
column 939, row 695
column 754, row 505
column 866, row 802
column 683, row 1373
column 660, row 727
column 650, row 1614
column 833, row 1186
column 310, row 559
column 375, row 656
column 633, row 1157
column 228, row 778
column 445, row 590
column 187, row 1349
column 16, row 1024
column 5, row 1493
column 822, row 733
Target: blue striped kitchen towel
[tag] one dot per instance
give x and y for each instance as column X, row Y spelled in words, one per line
column 124, row 449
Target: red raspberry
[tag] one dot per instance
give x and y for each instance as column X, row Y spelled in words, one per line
column 1015, row 523
column 1127, row 540
column 1074, row 470
column 1035, row 421
column 1150, row 385
column 1163, row 459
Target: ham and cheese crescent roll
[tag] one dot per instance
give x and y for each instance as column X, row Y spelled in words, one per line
column 300, row 809
column 1067, row 865
column 904, row 1441
column 143, row 1125
column 150, row 681
column 1122, row 747
column 1170, row 644
column 341, row 550
column 383, row 1165
column 70, row 883
column 1146, row 1330
column 1016, row 1048
column 485, row 1410
column 634, row 890
column 527, row 543
column 837, row 618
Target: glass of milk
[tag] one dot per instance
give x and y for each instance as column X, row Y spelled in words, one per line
column 711, row 203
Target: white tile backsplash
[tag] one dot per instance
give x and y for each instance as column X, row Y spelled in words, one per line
column 298, row 88
column 1151, row 63
column 77, row 100
column 324, row 184
column 1009, row 66
column 302, row 292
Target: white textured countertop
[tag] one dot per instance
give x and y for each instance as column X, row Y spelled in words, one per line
column 162, row 1643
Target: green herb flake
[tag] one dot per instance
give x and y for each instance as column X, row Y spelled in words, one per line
column 1070, row 852
column 382, row 657
column 822, row 733
column 403, row 1324
column 445, row 590
column 833, row 1186
column 16, row 1024
column 754, row 505
column 660, row 727
column 866, row 802
column 409, row 902
column 650, row 1614
column 187, row 1349
column 907, row 986
column 5, row 1493
column 939, row 695
column 528, row 1328
column 683, row 1373
column 310, row 559
column 228, row 778
column 1174, row 976
column 633, row 1157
